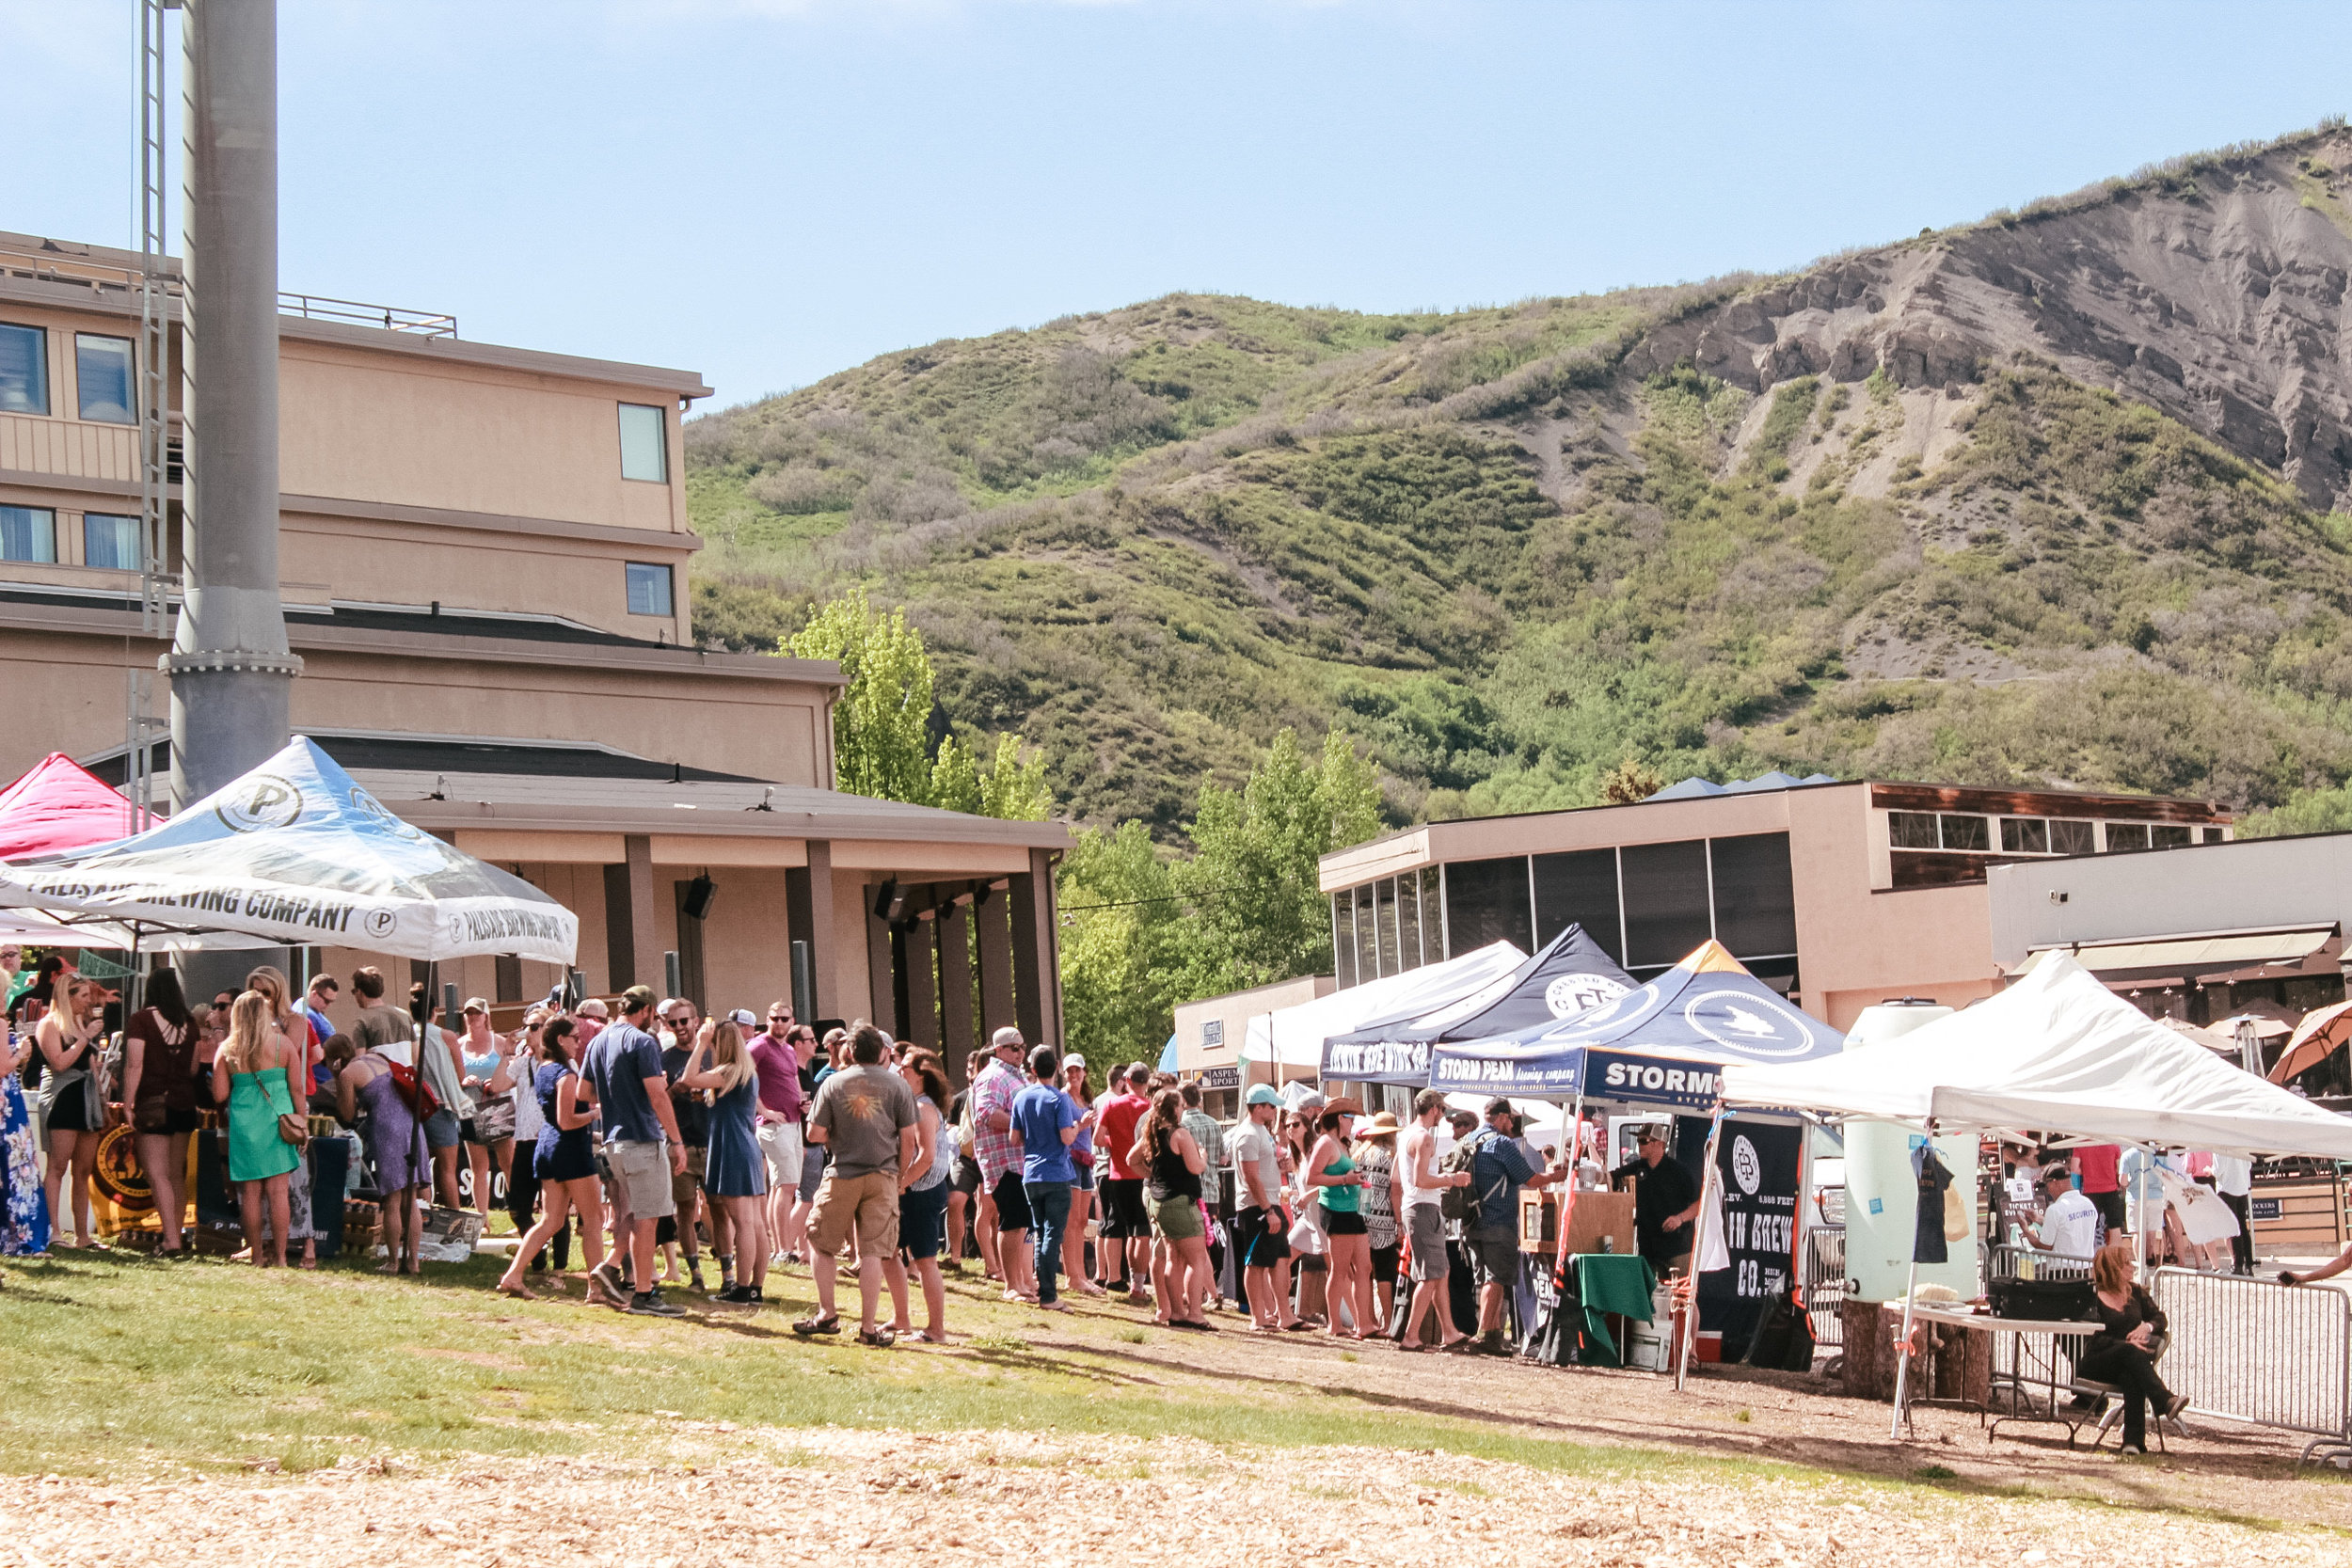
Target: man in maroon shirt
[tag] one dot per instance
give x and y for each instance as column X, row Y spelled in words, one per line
column 1124, row 1218
column 780, row 1105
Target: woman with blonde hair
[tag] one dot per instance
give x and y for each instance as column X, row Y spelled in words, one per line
column 250, row 1077
column 299, row 1049
column 2124, row 1351
column 735, row 1173
column 69, row 1039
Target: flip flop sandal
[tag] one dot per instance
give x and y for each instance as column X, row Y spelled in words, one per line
column 876, row 1338
column 808, row 1326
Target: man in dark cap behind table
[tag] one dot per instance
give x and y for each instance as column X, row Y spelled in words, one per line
column 1665, row 1202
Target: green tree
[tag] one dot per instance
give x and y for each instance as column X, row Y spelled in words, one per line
column 1014, row 787
column 1128, row 945
column 881, row 741
column 1263, row 916
column 2307, row 811
column 955, row 779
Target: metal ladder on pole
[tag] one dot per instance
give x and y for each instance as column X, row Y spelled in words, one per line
column 140, row 730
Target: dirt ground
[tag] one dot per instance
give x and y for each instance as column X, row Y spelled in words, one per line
column 1048, row 1501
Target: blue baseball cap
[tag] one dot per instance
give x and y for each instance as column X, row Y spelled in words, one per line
column 1264, row 1094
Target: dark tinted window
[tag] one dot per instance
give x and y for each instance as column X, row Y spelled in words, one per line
column 2127, row 835
column 1755, row 898
column 1432, row 918
column 2025, row 835
column 1384, row 923
column 2214, row 835
column 1486, row 901
column 1665, row 901
column 1409, row 922
column 2164, row 836
column 1965, row 832
column 1367, row 948
column 1343, row 937
column 2071, row 838
column 1912, row 830
column 1580, row 889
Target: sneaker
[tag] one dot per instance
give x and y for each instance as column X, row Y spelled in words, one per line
column 607, row 1282
column 2172, row 1411
column 649, row 1304
column 738, row 1295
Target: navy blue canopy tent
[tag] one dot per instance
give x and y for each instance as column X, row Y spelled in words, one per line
column 1658, row 1044
column 1568, row 978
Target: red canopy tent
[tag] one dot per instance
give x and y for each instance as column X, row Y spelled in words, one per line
column 58, row 805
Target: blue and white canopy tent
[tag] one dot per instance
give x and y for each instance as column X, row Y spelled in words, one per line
column 1656, row 1045
column 1569, row 977
column 296, row 853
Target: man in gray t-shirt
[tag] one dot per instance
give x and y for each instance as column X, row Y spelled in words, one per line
column 863, row 1117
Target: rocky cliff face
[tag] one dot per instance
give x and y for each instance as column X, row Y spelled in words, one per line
column 2215, row 293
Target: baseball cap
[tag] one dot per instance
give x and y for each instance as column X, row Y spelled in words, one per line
column 1073, row 1059
column 744, row 1018
column 592, row 1008
column 1264, row 1094
column 636, row 997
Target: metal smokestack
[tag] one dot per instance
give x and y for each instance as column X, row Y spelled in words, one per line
column 230, row 672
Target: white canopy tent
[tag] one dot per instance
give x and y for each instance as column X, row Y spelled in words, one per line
column 1294, row 1036
column 2057, row 1051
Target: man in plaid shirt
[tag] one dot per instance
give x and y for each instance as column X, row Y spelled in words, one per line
column 992, row 1140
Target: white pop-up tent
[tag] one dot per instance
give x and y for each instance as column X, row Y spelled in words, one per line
column 1294, row 1036
column 2057, row 1051
column 295, row 852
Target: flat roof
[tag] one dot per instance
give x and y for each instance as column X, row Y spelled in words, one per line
column 78, row 280
column 747, row 809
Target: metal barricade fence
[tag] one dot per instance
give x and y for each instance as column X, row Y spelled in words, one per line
column 2031, row 1372
column 1825, row 1283
column 2261, row 1353
column 2026, row 1262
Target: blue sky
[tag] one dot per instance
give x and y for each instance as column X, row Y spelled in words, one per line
column 771, row 190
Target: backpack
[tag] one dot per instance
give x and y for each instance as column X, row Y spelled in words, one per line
column 1461, row 1204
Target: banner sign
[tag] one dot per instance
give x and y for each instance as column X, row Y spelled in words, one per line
column 1652, row 1081
column 1756, row 1173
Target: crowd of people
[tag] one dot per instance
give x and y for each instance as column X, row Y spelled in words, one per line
column 658, row 1143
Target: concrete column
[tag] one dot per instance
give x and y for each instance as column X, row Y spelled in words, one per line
column 922, row 984
column 620, row 952
column 955, row 991
column 230, row 670
column 881, row 982
column 996, row 1008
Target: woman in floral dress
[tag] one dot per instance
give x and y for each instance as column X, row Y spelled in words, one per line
column 25, row 1214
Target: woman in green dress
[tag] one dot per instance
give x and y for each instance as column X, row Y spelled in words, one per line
column 252, row 1075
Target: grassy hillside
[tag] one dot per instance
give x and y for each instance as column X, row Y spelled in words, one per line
column 1508, row 548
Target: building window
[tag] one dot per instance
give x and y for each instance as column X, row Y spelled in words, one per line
column 2164, row 836
column 1486, row 902
column 1965, row 832
column 1432, row 919
column 2127, row 835
column 645, row 443
column 1756, row 895
column 24, row 370
column 1367, row 943
column 1580, row 888
column 649, row 590
column 102, row 377
column 1912, row 830
column 1384, row 924
column 1666, row 906
column 1408, row 921
column 2068, row 837
column 110, row 542
column 2025, row 835
column 2214, row 836
column 1343, row 937
column 28, row 533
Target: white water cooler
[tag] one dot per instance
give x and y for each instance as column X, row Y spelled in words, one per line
column 1881, row 1187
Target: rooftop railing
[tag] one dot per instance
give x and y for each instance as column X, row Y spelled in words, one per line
column 358, row 313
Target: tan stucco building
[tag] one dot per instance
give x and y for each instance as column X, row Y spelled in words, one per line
column 1838, row 894
column 486, row 559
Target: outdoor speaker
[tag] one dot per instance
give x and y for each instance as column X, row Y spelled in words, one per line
column 890, row 902
column 700, row 894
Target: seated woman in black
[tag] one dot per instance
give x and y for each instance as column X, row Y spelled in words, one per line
column 2121, row 1354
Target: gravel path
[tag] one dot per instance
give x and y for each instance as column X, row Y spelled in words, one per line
column 1048, row 1501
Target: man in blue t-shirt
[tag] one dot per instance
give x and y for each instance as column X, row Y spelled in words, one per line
column 623, row 1064
column 1045, row 1122
column 1490, row 1240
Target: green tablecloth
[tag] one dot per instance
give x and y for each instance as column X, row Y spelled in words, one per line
column 1608, row 1282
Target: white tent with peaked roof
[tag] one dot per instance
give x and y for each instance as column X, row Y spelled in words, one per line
column 2057, row 1051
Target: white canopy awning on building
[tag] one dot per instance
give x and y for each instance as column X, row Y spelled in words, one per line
column 2057, row 1051
column 1294, row 1036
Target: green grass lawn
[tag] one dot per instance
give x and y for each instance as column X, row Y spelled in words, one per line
column 112, row 1363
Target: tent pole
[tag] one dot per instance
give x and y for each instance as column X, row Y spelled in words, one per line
column 1708, row 1181
column 1574, row 1138
column 1911, row 1294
